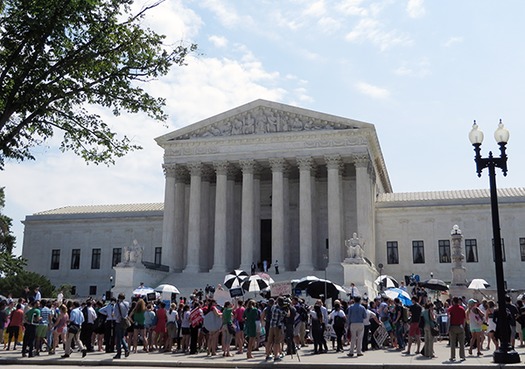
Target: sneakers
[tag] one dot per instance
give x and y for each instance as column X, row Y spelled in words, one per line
column 126, row 353
column 84, row 353
column 277, row 358
column 350, row 355
column 269, row 357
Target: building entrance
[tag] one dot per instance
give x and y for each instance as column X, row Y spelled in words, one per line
column 266, row 240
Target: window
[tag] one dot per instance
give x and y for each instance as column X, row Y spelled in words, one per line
column 471, row 251
column 522, row 249
column 502, row 251
column 392, row 256
column 75, row 259
column 55, row 259
column 92, row 290
column 158, row 255
column 117, row 256
column 418, row 253
column 444, row 251
column 95, row 260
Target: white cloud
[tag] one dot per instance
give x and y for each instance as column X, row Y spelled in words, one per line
column 329, row 25
column 218, row 41
column 419, row 68
column 227, row 15
column 315, row 9
column 372, row 30
column 453, row 40
column 353, row 8
column 415, row 8
column 372, row 91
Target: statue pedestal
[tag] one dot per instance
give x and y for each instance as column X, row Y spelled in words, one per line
column 362, row 275
column 129, row 276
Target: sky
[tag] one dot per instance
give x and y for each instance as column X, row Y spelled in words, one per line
column 420, row 71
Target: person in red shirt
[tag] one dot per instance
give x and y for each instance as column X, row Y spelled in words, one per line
column 456, row 333
column 16, row 320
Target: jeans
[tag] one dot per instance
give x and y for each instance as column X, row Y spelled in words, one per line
column 119, row 339
column 400, row 334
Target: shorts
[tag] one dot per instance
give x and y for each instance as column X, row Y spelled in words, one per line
column 275, row 336
column 414, row 330
column 172, row 330
column 138, row 326
column 475, row 330
column 241, row 326
column 41, row 331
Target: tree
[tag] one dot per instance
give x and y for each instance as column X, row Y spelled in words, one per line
column 58, row 58
column 15, row 284
column 9, row 264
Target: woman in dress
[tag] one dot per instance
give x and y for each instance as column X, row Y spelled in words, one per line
column 212, row 323
column 59, row 328
column 489, row 318
column 138, row 314
column 430, row 319
column 227, row 322
column 251, row 314
column 160, row 328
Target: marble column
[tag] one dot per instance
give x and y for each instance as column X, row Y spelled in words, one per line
column 194, row 221
column 278, row 166
column 221, row 215
column 247, row 211
column 365, row 204
column 306, row 166
column 206, row 239
column 168, row 226
column 179, row 226
column 335, row 224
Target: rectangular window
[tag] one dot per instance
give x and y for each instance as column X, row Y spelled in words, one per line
column 158, row 255
column 117, row 256
column 444, row 251
column 95, row 259
column 522, row 249
column 502, row 251
column 55, row 259
column 392, row 255
column 92, row 290
column 418, row 252
column 75, row 259
column 471, row 251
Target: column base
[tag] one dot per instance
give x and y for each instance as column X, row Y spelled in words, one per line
column 305, row 268
column 219, row 269
column 191, row 269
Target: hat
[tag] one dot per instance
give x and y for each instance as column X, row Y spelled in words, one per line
column 472, row 301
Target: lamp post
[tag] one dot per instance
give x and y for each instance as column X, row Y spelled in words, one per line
column 325, row 257
column 380, row 265
column 505, row 354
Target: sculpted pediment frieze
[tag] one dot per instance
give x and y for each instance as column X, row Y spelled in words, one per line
column 263, row 120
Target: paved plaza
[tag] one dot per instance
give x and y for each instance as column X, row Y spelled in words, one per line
column 371, row 359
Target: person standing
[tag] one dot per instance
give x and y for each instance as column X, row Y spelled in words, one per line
column 414, row 333
column 76, row 318
column 109, row 325
column 31, row 320
column 429, row 317
column 399, row 325
column 196, row 320
column 16, row 322
column 250, row 317
column 38, row 295
column 356, row 316
column 338, row 319
column 88, row 326
column 120, row 312
column 239, row 322
column 456, row 332
column 276, row 266
column 59, row 328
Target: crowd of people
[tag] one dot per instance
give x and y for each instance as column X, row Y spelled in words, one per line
column 279, row 326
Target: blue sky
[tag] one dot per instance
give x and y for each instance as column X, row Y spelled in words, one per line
column 420, row 71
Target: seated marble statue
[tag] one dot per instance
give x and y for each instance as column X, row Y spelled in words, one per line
column 354, row 251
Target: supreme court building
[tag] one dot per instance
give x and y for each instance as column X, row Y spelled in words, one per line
column 266, row 182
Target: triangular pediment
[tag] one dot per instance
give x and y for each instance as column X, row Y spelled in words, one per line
column 262, row 117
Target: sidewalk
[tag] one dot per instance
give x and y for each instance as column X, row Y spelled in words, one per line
column 370, row 360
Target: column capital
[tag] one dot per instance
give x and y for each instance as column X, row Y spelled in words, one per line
column 305, row 163
column 361, row 160
column 333, row 161
column 181, row 174
column 221, row 167
column 195, row 168
column 208, row 174
column 248, row 166
column 279, row 165
column 169, row 169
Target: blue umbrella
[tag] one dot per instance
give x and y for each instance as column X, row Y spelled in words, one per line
column 400, row 294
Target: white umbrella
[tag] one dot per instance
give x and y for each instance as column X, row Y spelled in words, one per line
column 235, row 278
column 387, row 281
column 400, row 294
column 142, row 291
column 478, row 284
column 255, row 283
column 168, row 288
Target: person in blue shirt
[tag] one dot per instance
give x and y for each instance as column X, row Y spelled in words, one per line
column 356, row 315
column 76, row 318
column 120, row 312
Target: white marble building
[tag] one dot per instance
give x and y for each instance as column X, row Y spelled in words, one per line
column 267, row 181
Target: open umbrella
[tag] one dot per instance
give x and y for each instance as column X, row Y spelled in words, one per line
column 387, row 281
column 235, row 278
column 266, row 277
column 317, row 288
column 142, row 291
column 478, row 284
column 434, row 284
column 255, row 283
column 168, row 288
column 400, row 294
column 302, row 283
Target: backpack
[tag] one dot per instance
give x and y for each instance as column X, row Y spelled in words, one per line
column 303, row 313
column 405, row 316
column 339, row 322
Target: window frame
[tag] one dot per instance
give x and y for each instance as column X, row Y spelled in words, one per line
column 95, row 258
column 472, row 243
column 75, row 259
column 444, row 245
column 392, row 246
column 55, row 259
column 418, row 245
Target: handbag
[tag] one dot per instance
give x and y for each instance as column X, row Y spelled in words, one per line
column 125, row 323
column 434, row 331
column 73, row 328
column 231, row 328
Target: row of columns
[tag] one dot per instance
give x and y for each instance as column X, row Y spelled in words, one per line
column 179, row 240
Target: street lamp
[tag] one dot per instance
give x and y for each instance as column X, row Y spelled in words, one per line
column 505, row 354
column 380, row 265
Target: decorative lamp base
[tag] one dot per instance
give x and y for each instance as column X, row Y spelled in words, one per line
column 506, row 357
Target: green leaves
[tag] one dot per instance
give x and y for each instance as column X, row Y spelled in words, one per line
column 59, row 58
